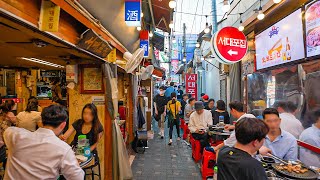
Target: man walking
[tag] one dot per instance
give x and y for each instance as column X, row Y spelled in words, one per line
column 160, row 102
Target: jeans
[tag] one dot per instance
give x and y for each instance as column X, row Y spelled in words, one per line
column 176, row 123
column 203, row 138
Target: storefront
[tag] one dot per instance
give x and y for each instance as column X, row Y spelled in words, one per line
column 286, row 62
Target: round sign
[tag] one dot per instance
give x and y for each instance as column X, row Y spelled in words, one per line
column 229, row 44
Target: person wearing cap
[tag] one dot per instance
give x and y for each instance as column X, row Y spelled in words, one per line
column 199, row 122
column 205, row 99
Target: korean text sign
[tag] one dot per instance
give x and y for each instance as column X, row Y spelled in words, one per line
column 191, row 85
column 49, row 16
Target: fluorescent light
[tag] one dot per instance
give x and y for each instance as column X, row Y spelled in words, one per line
column 42, row 62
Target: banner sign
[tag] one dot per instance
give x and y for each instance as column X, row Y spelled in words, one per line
column 191, row 85
column 133, row 12
column 49, row 16
column 312, row 17
column 145, row 45
column 281, row 43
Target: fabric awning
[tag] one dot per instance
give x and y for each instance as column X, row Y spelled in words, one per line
column 162, row 14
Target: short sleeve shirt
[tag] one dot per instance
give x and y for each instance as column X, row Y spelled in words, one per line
column 235, row 164
column 77, row 125
column 161, row 101
column 28, row 120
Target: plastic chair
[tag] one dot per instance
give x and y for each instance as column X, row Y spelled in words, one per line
column 208, row 162
column 196, row 149
column 91, row 168
column 186, row 132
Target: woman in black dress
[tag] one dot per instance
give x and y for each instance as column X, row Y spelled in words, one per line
column 88, row 125
column 220, row 111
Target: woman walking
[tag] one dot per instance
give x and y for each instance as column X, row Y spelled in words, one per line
column 174, row 107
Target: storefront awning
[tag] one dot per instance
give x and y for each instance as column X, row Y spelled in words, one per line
column 162, row 14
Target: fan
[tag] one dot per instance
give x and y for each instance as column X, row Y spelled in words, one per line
column 147, row 72
column 133, row 60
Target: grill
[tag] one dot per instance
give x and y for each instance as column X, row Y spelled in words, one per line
column 310, row 174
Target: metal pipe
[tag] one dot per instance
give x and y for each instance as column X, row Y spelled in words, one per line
column 214, row 16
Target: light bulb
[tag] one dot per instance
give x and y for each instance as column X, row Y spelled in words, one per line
column 276, row 1
column 226, row 6
column 171, row 25
column 142, row 14
column 174, row 40
column 197, row 45
column 150, row 34
column 184, row 59
column 241, row 27
column 207, row 30
column 260, row 15
column 172, row 4
column 139, row 28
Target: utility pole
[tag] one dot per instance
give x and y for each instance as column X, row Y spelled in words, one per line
column 170, row 53
column 184, row 47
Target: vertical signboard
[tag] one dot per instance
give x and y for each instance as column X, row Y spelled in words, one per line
column 191, row 85
column 312, row 17
column 133, row 12
column 49, row 16
column 144, row 42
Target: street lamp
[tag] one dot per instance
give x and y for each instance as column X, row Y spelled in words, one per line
column 172, row 4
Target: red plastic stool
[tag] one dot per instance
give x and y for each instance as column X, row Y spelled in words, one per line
column 208, row 162
column 196, row 149
column 182, row 123
column 186, row 132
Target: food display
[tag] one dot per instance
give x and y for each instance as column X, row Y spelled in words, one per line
column 292, row 168
column 312, row 17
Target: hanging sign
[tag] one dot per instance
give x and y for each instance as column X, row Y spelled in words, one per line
column 133, row 12
column 229, row 44
column 191, row 85
column 49, row 16
column 112, row 56
column 145, row 45
column 92, row 42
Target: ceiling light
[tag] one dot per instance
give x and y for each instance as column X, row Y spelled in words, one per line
column 139, row 28
column 172, row 4
column 241, row 27
column 142, row 14
column 276, row 1
column 150, row 34
column 260, row 15
column 226, row 6
column 197, row 45
column 171, row 25
column 207, row 29
column 174, row 39
column 42, row 62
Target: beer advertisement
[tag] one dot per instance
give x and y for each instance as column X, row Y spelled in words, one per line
column 312, row 19
column 281, row 43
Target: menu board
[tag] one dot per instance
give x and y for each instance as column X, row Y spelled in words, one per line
column 312, row 17
column 280, row 43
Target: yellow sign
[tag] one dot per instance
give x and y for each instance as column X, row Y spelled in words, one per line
column 112, row 56
column 49, row 16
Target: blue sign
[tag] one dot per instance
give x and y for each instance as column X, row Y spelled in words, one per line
column 133, row 12
column 145, row 45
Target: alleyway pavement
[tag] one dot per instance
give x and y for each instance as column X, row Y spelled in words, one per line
column 163, row 162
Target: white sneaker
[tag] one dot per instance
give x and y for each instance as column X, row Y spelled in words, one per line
column 160, row 133
column 178, row 139
column 170, row 142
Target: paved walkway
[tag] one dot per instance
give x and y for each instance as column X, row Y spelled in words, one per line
column 160, row 161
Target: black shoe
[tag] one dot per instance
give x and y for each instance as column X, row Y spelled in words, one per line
column 162, row 137
column 169, row 143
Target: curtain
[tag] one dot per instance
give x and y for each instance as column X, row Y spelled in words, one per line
column 110, row 73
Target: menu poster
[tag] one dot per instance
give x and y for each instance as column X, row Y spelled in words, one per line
column 280, row 43
column 312, row 17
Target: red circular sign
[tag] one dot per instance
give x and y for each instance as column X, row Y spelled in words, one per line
column 230, row 44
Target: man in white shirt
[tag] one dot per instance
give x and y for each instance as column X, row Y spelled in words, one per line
column 236, row 110
column 199, row 122
column 41, row 154
column 289, row 122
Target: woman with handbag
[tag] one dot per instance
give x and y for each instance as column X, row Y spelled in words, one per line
column 174, row 107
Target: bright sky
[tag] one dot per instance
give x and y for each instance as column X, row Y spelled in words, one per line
column 194, row 23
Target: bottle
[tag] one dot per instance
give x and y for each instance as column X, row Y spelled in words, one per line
column 221, row 120
column 288, row 50
column 215, row 175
